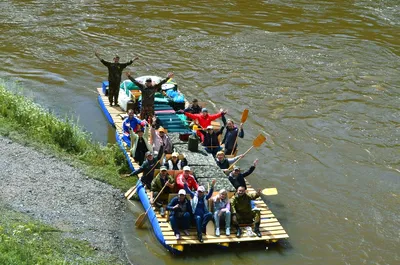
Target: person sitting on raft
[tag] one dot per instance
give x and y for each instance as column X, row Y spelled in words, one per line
column 211, row 142
column 223, row 162
column 231, row 135
column 222, row 209
column 193, row 108
column 181, row 213
column 200, row 207
column 242, row 212
column 147, row 168
column 130, row 123
column 186, row 177
column 162, row 179
column 175, row 163
column 237, row 178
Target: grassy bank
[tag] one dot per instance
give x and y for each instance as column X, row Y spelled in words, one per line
column 22, row 239
column 26, row 122
column 25, row 241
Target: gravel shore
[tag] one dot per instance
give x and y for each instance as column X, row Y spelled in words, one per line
column 60, row 195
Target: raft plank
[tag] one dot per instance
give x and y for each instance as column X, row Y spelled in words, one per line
column 225, row 240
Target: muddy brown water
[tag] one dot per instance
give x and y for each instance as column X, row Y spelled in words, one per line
column 320, row 78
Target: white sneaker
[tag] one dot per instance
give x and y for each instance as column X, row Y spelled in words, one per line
column 228, row 231
column 217, row 232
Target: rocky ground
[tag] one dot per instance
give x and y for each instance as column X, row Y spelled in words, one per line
column 60, row 195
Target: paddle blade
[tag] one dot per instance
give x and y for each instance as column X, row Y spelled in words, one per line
column 270, row 191
column 245, row 114
column 141, row 219
column 210, row 228
column 259, row 140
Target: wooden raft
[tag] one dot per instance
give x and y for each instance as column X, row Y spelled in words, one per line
column 270, row 227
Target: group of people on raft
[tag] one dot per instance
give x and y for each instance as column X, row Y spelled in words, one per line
column 236, row 210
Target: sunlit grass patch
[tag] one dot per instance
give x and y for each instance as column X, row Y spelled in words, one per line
column 25, row 121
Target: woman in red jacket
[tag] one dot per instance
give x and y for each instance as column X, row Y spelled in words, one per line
column 204, row 119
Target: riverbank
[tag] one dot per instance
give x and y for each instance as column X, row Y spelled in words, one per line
column 63, row 197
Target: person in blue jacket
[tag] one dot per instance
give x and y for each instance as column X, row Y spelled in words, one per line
column 131, row 122
column 200, row 210
column 180, row 213
column 232, row 132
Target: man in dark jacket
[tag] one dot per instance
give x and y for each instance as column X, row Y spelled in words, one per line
column 148, row 91
column 231, row 135
column 194, row 108
column 237, row 178
column 181, row 213
column 211, row 142
column 147, row 168
column 114, row 76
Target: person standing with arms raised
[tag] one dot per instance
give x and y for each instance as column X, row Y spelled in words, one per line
column 114, row 76
column 148, row 91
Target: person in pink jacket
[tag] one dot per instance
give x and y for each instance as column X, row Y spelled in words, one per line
column 204, row 119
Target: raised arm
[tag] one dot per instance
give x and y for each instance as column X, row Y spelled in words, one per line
column 241, row 131
column 186, row 187
column 169, row 76
column 211, row 191
column 139, row 85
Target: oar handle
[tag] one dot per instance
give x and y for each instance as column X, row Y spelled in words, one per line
column 157, row 196
column 248, row 150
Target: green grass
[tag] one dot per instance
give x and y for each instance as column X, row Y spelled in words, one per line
column 26, row 241
column 26, row 122
column 23, row 240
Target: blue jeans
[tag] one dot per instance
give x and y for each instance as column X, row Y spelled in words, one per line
column 227, row 219
column 201, row 222
column 177, row 222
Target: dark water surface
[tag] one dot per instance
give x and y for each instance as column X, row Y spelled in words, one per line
column 321, row 79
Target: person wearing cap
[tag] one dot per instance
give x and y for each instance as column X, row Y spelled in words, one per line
column 147, row 168
column 160, row 138
column 210, row 140
column 200, row 210
column 148, row 91
column 180, row 213
column 114, row 76
column 231, row 135
column 162, row 179
column 175, row 163
column 140, row 144
column 204, row 119
column 237, row 178
column 223, row 162
column 188, row 178
column 193, row 108
column 242, row 211
column 128, row 124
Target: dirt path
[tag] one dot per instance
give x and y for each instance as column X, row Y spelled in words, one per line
column 62, row 196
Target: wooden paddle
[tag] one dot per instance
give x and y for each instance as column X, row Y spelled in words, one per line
column 270, row 191
column 141, row 219
column 132, row 191
column 256, row 143
column 245, row 114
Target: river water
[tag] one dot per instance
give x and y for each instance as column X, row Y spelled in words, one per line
column 321, row 80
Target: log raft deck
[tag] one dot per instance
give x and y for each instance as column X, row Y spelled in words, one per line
column 270, row 228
